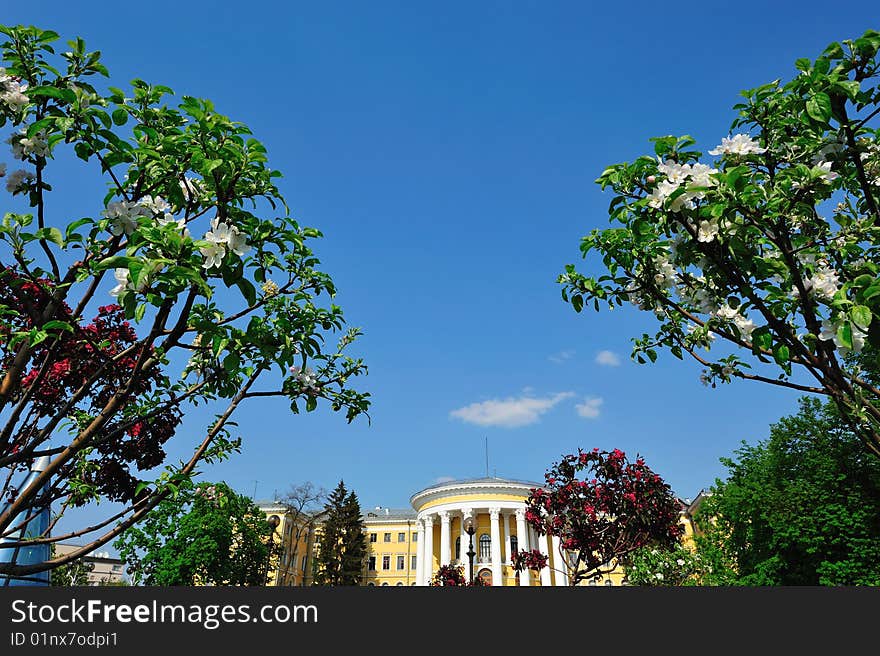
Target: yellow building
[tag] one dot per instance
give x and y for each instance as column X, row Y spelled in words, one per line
column 405, row 547
column 294, row 538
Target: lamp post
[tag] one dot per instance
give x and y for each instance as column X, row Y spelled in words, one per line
column 470, row 530
column 273, row 521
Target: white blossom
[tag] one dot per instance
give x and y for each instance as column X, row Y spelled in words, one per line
column 223, row 236
column 699, row 174
column 214, row 253
column 123, row 282
column 123, row 215
column 829, row 332
column 156, row 205
column 17, row 181
column 306, row 377
column 827, row 174
column 708, row 230
column 660, row 193
column 665, row 276
column 739, row 144
column 674, row 172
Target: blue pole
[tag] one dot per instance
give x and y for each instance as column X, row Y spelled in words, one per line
column 27, row 555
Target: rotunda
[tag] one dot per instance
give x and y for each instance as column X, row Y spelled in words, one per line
column 495, row 508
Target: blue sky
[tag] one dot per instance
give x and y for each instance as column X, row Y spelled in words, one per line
column 448, row 152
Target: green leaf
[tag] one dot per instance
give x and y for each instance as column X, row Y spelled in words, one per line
column 861, row 316
column 780, row 353
column 120, row 116
column 819, row 107
column 51, row 234
column 231, row 362
column 51, row 325
column 844, row 334
column 66, row 95
column 247, row 290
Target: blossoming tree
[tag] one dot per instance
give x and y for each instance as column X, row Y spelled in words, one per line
column 761, row 264
column 602, row 508
column 212, row 295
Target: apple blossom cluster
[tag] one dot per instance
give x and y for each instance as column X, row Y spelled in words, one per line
column 12, row 92
column 870, row 158
column 831, row 333
column 305, row 377
column 738, row 144
column 824, row 283
column 693, row 178
column 221, row 237
column 209, row 493
column 18, row 181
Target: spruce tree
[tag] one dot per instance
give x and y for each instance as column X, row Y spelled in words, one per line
column 343, row 544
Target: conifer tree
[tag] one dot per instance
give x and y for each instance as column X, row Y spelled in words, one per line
column 343, row 545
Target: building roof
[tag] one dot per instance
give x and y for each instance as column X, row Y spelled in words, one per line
column 485, row 479
column 389, row 514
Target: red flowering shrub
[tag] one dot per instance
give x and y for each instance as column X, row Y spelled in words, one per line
column 601, row 507
column 453, row 575
column 97, row 356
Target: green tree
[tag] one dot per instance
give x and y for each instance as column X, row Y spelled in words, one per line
column 678, row 566
column 208, row 535
column 214, row 293
column 764, row 263
column 343, row 546
column 801, row 508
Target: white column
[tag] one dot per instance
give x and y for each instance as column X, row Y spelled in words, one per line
column 545, row 571
column 559, row 564
column 466, row 514
column 420, row 556
column 444, row 538
column 508, row 538
column 522, row 538
column 494, row 514
column 428, row 566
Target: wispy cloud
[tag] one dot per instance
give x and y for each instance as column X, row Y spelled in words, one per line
column 589, row 409
column 561, row 357
column 608, row 359
column 510, row 412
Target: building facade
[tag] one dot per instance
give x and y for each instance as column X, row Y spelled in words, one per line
column 406, row 547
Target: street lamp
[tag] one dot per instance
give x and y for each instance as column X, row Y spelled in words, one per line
column 470, row 530
column 273, row 521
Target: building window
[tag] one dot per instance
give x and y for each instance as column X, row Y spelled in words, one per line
column 608, row 582
column 386, row 562
column 514, row 544
column 372, row 564
column 372, row 537
column 485, row 547
column 388, row 537
column 413, row 563
column 399, row 583
column 371, row 583
column 458, row 548
column 384, row 584
column 415, row 537
column 305, row 559
column 401, row 537
column 401, row 562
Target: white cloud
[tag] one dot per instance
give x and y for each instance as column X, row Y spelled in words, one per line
column 608, row 359
column 589, row 409
column 561, row 357
column 510, row 412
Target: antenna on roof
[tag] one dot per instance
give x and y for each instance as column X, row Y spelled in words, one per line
column 487, row 457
